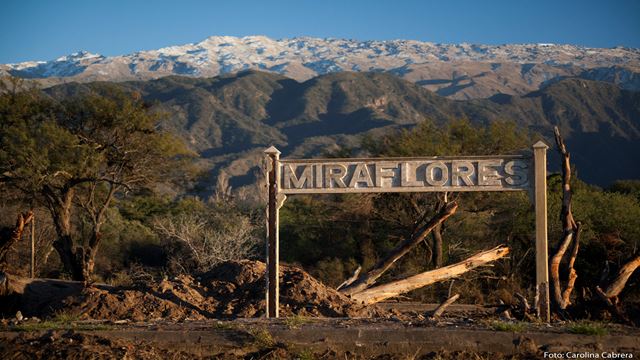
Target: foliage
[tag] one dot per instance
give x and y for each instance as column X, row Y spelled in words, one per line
column 508, row 326
column 262, row 338
column 202, row 236
column 331, row 235
column 75, row 156
column 630, row 187
column 296, row 321
column 588, row 328
column 457, row 137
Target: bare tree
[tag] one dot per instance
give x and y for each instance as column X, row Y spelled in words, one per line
column 210, row 241
column 570, row 233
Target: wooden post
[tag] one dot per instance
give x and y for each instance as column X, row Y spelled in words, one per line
column 33, row 246
column 542, row 261
column 273, row 213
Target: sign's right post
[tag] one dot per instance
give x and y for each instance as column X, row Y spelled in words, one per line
column 542, row 256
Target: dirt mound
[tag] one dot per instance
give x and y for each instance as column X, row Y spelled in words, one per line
column 241, row 285
column 229, row 290
column 119, row 304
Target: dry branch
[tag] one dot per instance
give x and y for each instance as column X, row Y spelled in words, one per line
column 10, row 236
column 570, row 233
column 368, row 279
column 395, row 288
column 442, row 307
column 351, row 279
column 620, row 281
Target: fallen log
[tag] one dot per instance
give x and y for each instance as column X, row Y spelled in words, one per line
column 369, row 278
column 395, row 288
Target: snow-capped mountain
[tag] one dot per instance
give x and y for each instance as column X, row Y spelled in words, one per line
column 459, row 71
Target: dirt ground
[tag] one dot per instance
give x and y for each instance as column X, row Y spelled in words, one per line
column 452, row 337
column 229, row 290
column 72, row 345
column 219, row 315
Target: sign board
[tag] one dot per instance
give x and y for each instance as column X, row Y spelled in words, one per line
column 419, row 174
column 496, row 173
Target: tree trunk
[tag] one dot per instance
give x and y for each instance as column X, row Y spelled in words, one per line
column 89, row 255
column 395, row 288
column 60, row 204
column 366, row 280
column 10, row 236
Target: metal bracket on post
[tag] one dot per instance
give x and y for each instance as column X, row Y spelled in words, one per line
column 542, row 256
column 275, row 201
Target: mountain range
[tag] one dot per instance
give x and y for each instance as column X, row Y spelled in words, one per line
column 457, row 71
column 230, row 119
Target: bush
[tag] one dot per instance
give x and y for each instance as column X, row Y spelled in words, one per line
column 202, row 236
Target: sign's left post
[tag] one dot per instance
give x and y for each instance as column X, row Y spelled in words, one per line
column 273, row 213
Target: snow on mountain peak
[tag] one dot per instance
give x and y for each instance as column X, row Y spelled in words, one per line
column 305, row 57
column 79, row 56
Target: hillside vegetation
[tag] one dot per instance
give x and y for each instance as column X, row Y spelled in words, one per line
column 230, row 119
column 63, row 147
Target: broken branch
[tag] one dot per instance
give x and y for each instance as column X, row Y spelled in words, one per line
column 395, row 288
column 620, row 281
column 442, row 307
column 368, row 279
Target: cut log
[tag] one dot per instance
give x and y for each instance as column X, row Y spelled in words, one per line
column 368, row 279
column 620, row 281
column 385, row 291
column 440, row 309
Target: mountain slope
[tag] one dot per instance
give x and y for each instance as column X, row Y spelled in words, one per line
column 229, row 120
column 460, row 71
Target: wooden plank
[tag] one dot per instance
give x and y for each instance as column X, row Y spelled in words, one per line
column 542, row 256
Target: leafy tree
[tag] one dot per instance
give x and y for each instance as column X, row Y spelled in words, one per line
column 75, row 156
column 358, row 228
column 457, row 137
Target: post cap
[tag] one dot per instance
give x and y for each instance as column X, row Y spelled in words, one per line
column 540, row 145
column 272, row 151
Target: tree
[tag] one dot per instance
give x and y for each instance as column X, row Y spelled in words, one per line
column 458, row 137
column 76, row 155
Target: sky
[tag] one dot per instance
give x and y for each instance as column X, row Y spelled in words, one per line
column 45, row 30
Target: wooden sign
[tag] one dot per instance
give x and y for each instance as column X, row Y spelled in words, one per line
column 420, row 174
column 499, row 173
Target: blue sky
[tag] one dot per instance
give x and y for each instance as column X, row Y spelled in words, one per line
column 44, row 30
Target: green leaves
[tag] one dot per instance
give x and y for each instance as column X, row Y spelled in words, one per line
column 457, row 137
